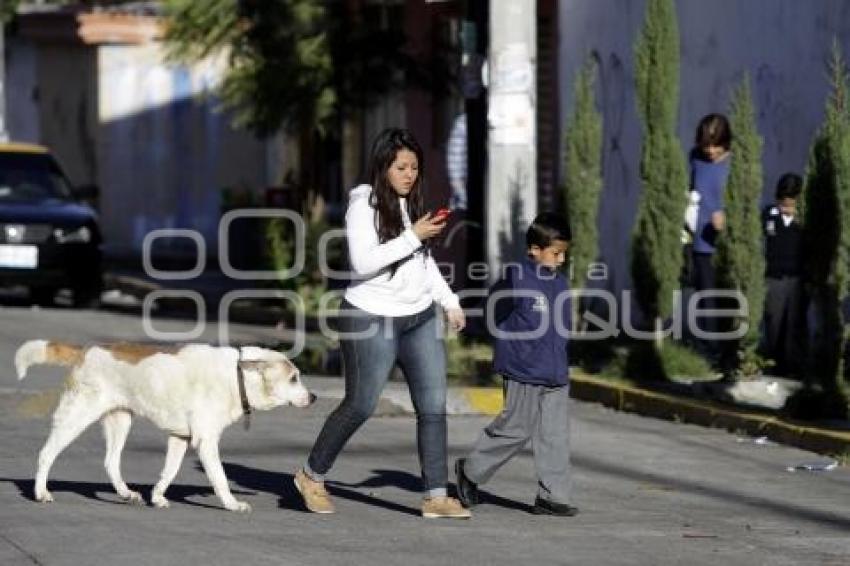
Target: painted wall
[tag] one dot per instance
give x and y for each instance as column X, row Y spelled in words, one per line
column 21, row 88
column 165, row 151
column 150, row 134
column 782, row 44
column 66, row 78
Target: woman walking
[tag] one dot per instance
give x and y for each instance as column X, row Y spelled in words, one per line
column 388, row 316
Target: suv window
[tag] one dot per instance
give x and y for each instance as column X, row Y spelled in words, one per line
column 31, row 177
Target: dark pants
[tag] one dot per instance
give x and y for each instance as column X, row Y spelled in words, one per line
column 705, row 279
column 411, row 341
column 784, row 324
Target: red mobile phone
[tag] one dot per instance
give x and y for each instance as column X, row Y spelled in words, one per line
column 442, row 214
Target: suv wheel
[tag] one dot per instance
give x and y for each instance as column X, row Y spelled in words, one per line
column 86, row 295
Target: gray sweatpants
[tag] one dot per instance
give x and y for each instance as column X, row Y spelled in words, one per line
column 534, row 412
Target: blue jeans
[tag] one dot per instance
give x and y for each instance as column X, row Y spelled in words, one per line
column 368, row 359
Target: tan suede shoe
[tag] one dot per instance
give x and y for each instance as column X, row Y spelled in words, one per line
column 315, row 495
column 444, row 508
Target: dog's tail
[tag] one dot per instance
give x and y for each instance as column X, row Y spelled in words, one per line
column 35, row 352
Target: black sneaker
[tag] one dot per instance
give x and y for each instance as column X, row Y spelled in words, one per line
column 467, row 491
column 545, row 507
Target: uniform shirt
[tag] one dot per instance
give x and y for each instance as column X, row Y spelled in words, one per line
column 783, row 242
column 532, row 313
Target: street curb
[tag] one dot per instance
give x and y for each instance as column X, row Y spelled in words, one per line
column 488, row 401
column 669, row 407
column 139, row 288
column 135, row 286
column 475, row 400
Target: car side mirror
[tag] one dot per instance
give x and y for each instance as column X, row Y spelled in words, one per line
column 87, row 192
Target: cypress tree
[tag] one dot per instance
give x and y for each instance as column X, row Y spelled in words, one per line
column 827, row 241
column 583, row 180
column 656, row 246
column 740, row 260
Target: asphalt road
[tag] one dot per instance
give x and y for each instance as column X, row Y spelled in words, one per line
column 650, row 492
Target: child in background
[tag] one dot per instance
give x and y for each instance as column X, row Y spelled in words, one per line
column 783, row 307
column 709, row 163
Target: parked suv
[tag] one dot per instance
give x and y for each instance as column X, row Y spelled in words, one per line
column 49, row 237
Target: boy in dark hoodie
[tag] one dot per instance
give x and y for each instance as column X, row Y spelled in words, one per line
column 531, row 312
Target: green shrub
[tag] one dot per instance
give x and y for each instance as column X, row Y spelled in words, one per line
column 643, row 362
column 656, row 259
column 469, row 362
column 739, row 258
column 310, row 283
column 583, row 173
column 826, row 232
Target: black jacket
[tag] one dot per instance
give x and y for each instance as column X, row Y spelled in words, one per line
column 783, row 245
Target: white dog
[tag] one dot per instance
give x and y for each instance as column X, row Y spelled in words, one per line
column 192, row 392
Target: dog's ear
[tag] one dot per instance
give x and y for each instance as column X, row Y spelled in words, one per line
column 289, row 369
column 254, row 365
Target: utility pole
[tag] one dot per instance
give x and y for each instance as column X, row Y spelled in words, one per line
column 511, row 188
column 4, row 134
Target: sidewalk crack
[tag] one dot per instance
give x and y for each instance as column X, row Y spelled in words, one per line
column 33, row 558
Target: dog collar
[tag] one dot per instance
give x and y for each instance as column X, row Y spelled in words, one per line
column 243, row 395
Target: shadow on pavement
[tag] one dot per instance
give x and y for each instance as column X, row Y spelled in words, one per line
column 389, row 478
column 281, row 485
column 741, row 497
column 487, row 498
column 409, row 482
column 91, row 490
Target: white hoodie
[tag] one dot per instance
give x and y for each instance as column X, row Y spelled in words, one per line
column 417, row 282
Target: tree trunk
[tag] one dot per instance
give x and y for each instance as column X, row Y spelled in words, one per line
column 352, row 150
column 306, row 167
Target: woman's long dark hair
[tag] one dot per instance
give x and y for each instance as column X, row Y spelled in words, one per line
column 388, row 220
column 384, row 199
